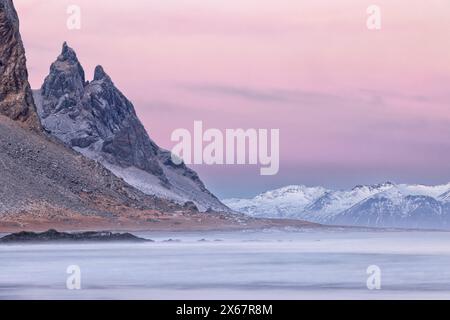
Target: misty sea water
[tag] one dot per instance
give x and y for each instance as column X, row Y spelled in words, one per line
column 235, row 265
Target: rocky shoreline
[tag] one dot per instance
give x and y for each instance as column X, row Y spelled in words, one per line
column 55, row 236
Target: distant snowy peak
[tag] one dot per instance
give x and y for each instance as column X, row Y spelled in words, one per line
column 334, row 202
column 385, row 204
column 432, row 191
column 374, row 187
column 283, row 203
column 407, row 211
column 299, row 193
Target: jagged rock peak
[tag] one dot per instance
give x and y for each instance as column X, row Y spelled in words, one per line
column 16, row 99
column 100, row 74
column 67, row 53
column 68, row 57
column 66, row 78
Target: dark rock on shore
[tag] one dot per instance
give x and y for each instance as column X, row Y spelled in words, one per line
column 55, row 236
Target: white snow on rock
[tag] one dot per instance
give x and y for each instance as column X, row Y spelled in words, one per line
column 386, row 204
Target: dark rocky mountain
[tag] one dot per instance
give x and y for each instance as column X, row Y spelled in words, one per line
column 41, row 180
column 16, row 101
column 97, row 120
column 95, row 115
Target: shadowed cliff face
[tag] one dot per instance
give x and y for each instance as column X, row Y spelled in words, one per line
column 16, row 99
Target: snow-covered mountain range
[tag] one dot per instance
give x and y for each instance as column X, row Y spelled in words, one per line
column 382, row 205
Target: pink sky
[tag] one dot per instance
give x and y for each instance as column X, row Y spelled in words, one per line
column 352, row 105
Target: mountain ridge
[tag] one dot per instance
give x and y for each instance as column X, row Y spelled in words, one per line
column 381, row 205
